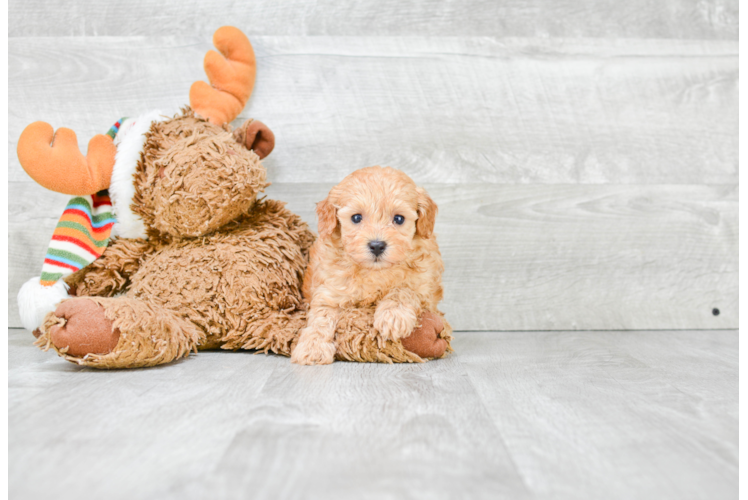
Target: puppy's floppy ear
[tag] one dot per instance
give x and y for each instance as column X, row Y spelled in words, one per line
column 327, row 218
column 426, row 214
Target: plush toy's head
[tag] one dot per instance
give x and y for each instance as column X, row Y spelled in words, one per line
column 191, row 175
column 194, row 177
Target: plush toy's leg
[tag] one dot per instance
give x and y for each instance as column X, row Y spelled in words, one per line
column 272, row 332
column 117, row 333
column 357, row 340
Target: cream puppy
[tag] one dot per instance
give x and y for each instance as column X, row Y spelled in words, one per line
column 376, row 247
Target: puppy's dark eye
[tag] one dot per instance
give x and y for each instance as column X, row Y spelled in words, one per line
column 399, row 219
column 356, row 218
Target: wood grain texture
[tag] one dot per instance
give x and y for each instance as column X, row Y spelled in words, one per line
column 743, row 456
column 743, row 256
column 574, row 408
column 580, row 257
column 690, row 19
column 583, row 184
column 449, row 110
column 517, row 257
column 236, row 425
column 647, row 415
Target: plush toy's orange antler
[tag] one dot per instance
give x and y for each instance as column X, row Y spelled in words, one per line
column 232, row 76
column 54, row 161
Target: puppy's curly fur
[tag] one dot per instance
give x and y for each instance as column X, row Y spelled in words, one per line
column 376, row 247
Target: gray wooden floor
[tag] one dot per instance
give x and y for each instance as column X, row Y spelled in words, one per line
column 649, row 414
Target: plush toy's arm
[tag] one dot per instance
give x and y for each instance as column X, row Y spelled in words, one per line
column 276, row 213
column 397, row 313
column 110, row 273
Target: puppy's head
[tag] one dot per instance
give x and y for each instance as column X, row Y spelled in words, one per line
column 376, row 213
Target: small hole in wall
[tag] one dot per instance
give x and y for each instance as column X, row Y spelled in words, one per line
column 715, row 311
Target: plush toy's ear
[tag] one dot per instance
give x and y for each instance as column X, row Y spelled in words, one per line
column 426, row 214
column 231, row 74
column 255, row 135
column 327, row 218
column 53, row 160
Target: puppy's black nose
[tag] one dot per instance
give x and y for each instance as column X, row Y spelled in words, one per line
column 377, row 247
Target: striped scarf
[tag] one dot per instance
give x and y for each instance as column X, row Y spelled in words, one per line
column 82, row 234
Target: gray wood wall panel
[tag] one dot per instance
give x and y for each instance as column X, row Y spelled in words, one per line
column 569, row 257
column 446, row 110
column 540, row 257
column 743, row 259
column 583, row 183
column 685, row 19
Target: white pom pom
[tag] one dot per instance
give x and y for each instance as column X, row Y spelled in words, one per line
column 36, row 300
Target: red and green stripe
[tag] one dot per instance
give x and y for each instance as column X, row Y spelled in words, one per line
column 81, row 236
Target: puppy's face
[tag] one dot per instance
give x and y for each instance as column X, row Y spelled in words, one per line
column 376, row 213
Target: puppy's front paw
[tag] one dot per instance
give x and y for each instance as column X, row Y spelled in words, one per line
column 312, row 351
column 394, row 323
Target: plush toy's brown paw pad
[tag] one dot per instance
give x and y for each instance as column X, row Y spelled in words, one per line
column 85, row 330
column 425, row 341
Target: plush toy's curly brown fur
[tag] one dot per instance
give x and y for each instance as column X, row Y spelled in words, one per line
column 356, row 339
column 221, row 268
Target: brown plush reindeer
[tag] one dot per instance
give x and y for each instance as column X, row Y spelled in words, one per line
column 166, row 248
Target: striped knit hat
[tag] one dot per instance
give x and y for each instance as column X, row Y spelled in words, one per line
column 88, row 223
